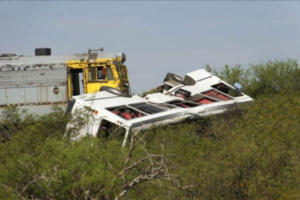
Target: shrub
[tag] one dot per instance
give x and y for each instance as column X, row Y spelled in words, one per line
column 249, row 153
column 272, row 77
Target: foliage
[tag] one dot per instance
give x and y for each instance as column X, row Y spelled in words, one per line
column 232, row 75
column 275, row 77
column 39, row 163
column 248, row 153
column 272, row 77
column 253, row 155
column 153, row 90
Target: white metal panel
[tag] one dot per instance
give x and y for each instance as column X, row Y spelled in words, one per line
column 62, row 94
column 42, row 94
column 31, row 95
column 2, row 97
column 202, row 86
column 118, row 101
column 15, row 96
column 159, row 98
column 199, row 74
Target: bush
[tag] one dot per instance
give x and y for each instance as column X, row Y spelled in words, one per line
column 272, row 77
column 153, row 90
column 249, row 153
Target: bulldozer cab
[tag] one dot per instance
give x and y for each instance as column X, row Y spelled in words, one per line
column 87, row 76
column 111, row 75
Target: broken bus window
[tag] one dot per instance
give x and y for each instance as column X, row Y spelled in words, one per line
column 184, row 104
column 226, row 90
column 216, row 95
column 148, row 108
column 126, row 112
column 108, row 129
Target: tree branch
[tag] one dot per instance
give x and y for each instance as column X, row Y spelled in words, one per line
column 14, row 191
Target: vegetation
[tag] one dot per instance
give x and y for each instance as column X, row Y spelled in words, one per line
column 153, row 90
column 249, row 153
column 273, row 77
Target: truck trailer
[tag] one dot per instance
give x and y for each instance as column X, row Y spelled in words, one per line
column 36, row 83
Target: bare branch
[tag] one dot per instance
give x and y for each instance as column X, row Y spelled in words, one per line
column 148, row 155
column 133, row 145
column 34, row 180
column 111, row 168
column 14, row 191
column 150, row 172
column 42, row 176
column 125, row 169
column 155, row 169
column 74, row 194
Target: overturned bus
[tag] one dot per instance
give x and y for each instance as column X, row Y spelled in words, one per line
column 198, row 95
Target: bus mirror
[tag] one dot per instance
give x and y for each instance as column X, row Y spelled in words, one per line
column 238, row 86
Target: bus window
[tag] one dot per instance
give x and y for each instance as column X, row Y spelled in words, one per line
column 110, row 130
